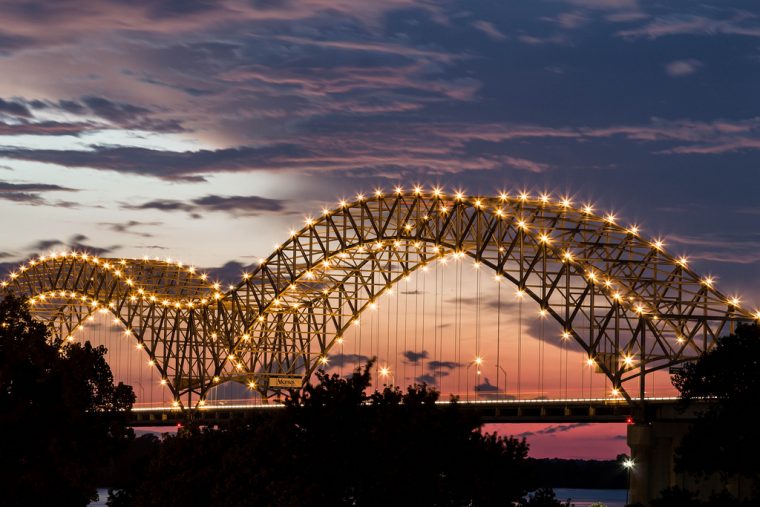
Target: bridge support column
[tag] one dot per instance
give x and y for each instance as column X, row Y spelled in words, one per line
column 653, row 448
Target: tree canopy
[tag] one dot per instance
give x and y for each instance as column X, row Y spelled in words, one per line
column 724, row 441
column 338, row 444
column 730, row 375
column 61, row 416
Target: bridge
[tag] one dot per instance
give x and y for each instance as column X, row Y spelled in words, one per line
column 622, row 312
column 596, row 410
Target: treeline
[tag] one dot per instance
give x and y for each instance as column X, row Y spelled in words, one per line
column 576, row 473
column 334, row 444
column 62, row 421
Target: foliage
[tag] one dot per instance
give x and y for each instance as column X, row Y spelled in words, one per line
column 543, row 497
column 724, row 441
column 576, row 473
column 60, row 414
column 678, row 497
column 730, row 374
column 336, row 445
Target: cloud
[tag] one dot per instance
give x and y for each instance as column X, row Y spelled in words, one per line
column 604, row 5
column 449, row 365
column 182, row 166
column 114, row 111
column 75, row 243
column 414, row 357
column 553, row 429
column 246, row 205
column 426, row 379
column 338, row 359
column 680, row 68
column 534, row 40
column 569, row 20
column 236, row 205
column 126, row 227
column 230, row 272
column 485, row 386
column 13, row 108
column 29, row 193
column 741, row 248
column 740, row 24
column 45, row 128
column 490, row 30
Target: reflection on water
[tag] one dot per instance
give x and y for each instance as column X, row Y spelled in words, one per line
column 585, row 497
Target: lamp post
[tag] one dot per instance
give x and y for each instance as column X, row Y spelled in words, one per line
column 386, row 372
column 477, row 361
column 628, row 464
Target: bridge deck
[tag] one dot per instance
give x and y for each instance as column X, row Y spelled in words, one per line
column 598, row 410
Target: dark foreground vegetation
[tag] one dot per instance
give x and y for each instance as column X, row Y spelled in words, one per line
column 61, row 417
column 724, row 445
column 63, row 432
column 336, row 445
column 62, row 425
column 579, row 473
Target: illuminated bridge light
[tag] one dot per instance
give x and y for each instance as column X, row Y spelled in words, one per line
column 316, row 283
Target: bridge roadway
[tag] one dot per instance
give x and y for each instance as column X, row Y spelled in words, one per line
column 596, row 410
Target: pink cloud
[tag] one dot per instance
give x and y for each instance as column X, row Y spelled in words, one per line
column 490, row 30
column 569, row 441
column 681, row 68
column 695, row 25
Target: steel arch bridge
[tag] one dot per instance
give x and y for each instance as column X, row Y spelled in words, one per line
column 632, row 307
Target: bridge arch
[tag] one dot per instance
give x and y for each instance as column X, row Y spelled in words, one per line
column 632, row 307
column 623, row 298
column 153, row 301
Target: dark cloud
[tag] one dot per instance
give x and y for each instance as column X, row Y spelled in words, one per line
column 486, row 387
column 5, row 255
column 414, row 357
column 76, row 243
column 338, row 359
column 29, row 193
column 238, row 205
column 426, row 379
column 553, row 429
column 7, row 267
column 230, row 272
column 449, row 365
column 116, row 112
column 45, row 128
column 127, row 227
column 186, row 166
column 13, row 108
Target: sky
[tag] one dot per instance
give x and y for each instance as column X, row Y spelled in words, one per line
column 205, row 130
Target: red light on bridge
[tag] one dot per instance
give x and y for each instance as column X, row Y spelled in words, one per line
column 629, row 420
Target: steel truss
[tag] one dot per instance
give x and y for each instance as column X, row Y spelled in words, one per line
column 631, row 306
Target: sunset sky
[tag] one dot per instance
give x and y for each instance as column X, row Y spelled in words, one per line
column 204, row 130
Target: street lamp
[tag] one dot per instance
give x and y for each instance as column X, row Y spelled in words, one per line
column 477, row 361
column 386, row 372
column 628, row 464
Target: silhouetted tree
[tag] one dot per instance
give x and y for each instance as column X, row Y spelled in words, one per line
column 543, row 497
column 60, row 414
column 334, row 444
column 678, row 497
column 730, row 375
column 725, row 440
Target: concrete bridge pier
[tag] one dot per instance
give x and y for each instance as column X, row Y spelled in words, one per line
column 653, row 446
